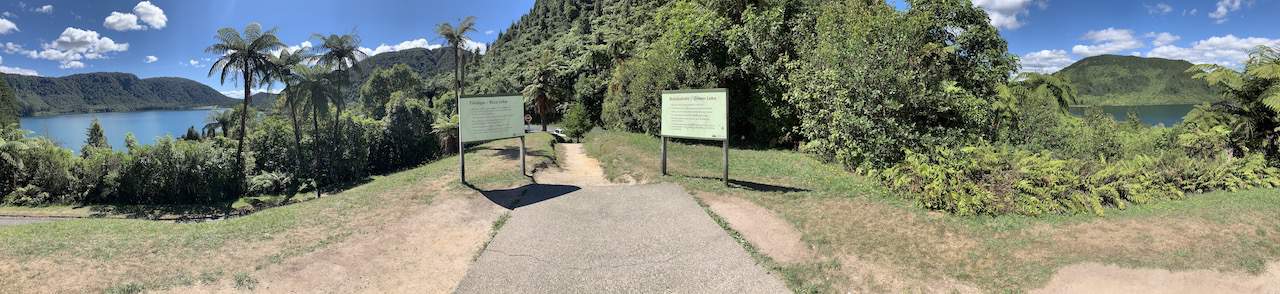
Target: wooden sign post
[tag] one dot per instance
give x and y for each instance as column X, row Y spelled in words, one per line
column 699, row 115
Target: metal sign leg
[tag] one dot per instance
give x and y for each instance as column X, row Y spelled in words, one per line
column 664, row 155
column 726, row 162
column 523, row 171
column 462, row 161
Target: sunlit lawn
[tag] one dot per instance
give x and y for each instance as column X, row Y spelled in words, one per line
column 87, row 255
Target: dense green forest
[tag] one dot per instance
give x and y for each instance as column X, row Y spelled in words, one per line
column 1132, row 80
column 937, row 113
column 101, row 92
column 8, row 105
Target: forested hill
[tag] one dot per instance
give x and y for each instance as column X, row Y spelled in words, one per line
column 1132, row 80
column 426, row 62
column 579, row 42
column 8, row 105
column 433, row 65
column 100, row 92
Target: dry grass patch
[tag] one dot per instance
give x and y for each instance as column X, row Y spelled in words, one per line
column 96, row 255
column 863, row 238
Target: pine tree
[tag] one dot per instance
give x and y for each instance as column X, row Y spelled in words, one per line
column 97, row 138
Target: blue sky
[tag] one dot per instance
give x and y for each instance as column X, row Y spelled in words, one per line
column 167, row 37
column 1051, row 34
column 77, row 36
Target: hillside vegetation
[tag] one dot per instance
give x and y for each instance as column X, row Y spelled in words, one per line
column 100, row 92
column 1132, row 80
column 8, row 105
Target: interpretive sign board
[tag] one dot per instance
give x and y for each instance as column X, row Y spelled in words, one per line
column 491, row 118
column 483, row 118
column 696, row 114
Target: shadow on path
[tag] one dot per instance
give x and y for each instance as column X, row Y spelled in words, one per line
column 753, row 186
column 526, row 195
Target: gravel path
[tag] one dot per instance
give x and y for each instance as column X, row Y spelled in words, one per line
column 647, row 238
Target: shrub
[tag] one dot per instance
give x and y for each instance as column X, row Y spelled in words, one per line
column 346, row 157
column 407, row 139
column 180, row 172
column 987, row 180
column 271, row 143
column 272, row 183
column 43, row 174
column 577, row 123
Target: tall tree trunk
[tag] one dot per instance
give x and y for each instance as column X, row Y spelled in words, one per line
column 315, row 150
column 337, row 114
column 457, row 71
column 244, row 115
column 297, row 143
column 542, row 111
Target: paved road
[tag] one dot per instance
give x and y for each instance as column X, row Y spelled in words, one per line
column 11, row 221
column 649, row 238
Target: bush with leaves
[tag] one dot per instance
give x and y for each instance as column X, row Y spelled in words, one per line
column 577, row 122
column 43, row 174
column 407, row 139
column 180, row 172
column 933, row 80
column 986, row 180
column 1253, row 111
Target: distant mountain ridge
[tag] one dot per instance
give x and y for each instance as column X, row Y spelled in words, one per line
column 426, row 62
column 109, row 91
column 1133, row 80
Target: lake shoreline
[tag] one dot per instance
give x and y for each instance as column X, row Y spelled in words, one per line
column 143, row 109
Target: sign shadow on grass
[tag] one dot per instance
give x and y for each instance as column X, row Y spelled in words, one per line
column 753, row 186
column 525, row 195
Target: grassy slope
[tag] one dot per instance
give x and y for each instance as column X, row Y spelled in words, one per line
column 124, row 254
column 843, row 215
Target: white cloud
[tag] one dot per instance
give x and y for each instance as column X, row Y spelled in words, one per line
column 473, row 46
column 305, row 45
column 1229, row 50
column 1225, row 7
column 11, row 48
column 239, row 93
column 489, row 32
column 7, row 26
column 384, row 48
column 8, row 14
column 16, row 70
column 1159, row 8
column 47, row 9
column 71, row 47
column 193, row 62
column 1107, row 41
column 1046, row 61
column 1191, row 12
column 122, row 22
column 150, row 15
column 1161, row 39
column 71, row 65
column 1004, row 13
column 150, row 59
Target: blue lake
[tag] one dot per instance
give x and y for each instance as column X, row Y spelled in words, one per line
column 69, row 130
column 1168, row 115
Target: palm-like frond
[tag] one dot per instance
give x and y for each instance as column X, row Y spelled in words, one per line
column 341, row 52
column 1217, row 75
column 1271, row 98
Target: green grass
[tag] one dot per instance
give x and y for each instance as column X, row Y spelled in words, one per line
column 156, row 254
column 841, row 214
